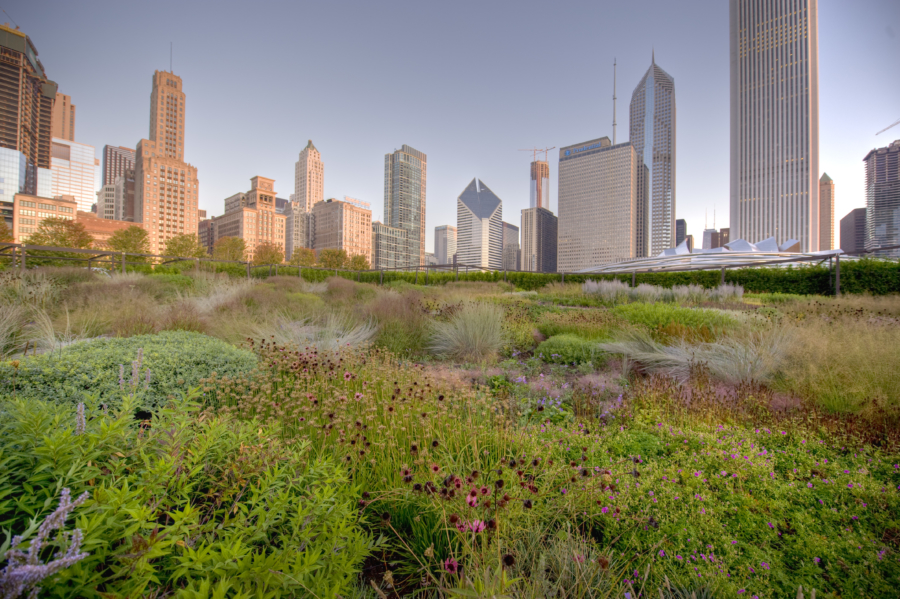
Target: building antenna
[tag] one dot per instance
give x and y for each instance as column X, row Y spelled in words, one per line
column 10, row 18
column 614, row 101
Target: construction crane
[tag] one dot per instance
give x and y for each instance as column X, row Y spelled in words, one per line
column 894, row 124
column 535, row 151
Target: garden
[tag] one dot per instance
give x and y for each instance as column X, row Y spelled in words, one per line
column 182, row 433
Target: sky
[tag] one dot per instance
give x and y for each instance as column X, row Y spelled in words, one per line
column 467, row 83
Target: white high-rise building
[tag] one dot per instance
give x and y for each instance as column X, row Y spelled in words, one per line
column 652, row 126
column 775, row 121
column 479, row 223
column 73, row 166
column 106, row 203
column 309, row 178
column 444, row 244
column 598, row 205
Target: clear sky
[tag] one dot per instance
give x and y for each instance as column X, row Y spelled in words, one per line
column 468, row 83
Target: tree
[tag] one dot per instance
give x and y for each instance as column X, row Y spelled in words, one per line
column 133, row 240
column 268, row 253
column 358, row 262
column 333, row 259
column 186, row 245
column 303, row 257
column 61, row 232
column 6, row 233
column 230, row 248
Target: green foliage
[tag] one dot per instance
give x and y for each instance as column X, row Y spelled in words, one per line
column 133, row 240
column 230, row 248
column 268, row 253
column 473, row 333
column 588, row 324
column 186, row 245
column 333, row 258
column 303, row 257
column 358, row 262
column 569, row 349
column 191, row 505
column 6, row 233
column 176, row 361
column 61, row 232
column 660, row 315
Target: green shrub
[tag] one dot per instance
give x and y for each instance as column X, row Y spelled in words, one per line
column 180, row 504
column 568, row 349
column 474, row 333
column 660, row 315
column 176, row 361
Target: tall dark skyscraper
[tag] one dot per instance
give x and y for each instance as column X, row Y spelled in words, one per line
column 883, row 199
column 680, row 230
column 116, row 160
column 653, row 137
column 775, row 121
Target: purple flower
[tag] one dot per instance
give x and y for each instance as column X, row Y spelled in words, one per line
column 817, row 560
column 451, row 565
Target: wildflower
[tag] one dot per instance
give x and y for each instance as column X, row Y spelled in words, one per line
column 579, row 558
column 662, row 553
column 563, row 491
column 435, row 443
column 499, row 483
column 603, row 562
column 527, row 504
column 414, row 448
column 435, row 468
column 386, row 517
column 347, row 376
column 491, row 524
column 476, row 526
column 485, row 490
column 508, row 560
column 817, row 560
column 472, row 501
column 453, row 518
column 451, row 566
column 604, row 509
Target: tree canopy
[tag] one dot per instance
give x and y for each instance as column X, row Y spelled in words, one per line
column 358, row 262
column 133, row 240
column 186, row 245
column 6, row 233
column 333, row 258
column 268, row 253
column 230, row 248
column 61, row 232
column 303, row 257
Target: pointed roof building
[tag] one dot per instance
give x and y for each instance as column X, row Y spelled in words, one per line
column 479, row 221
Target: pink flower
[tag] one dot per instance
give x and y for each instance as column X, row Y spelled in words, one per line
column 604, row 509
column 471, row 500
column 476, row 526
column 451, row 565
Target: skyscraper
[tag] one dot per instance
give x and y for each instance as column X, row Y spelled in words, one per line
column 539, row 240
column 405, row 177
column 883, row 199
column 166, row 187
column 116, row 160
column 653, row 137
column 26, row 106
column 309, row 178
column 826, row 213
column 62, row 121
column 511, row 250
column 390, row 246
column 74, row 167
column 598, row 204
column 680, row 230
column 343, row 226
column 444, row 244
column 252, row 217
column 479, row 221
column 853, row 232
column 540, row 184
column 775, row 120
column 106, row 203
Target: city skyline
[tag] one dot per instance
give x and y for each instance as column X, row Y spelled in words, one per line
column 698, row 62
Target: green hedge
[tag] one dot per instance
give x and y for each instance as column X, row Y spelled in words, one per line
column 878, row 277
column 177, row 360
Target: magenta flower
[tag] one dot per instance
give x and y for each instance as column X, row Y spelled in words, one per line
column 471, row 500
column 604, row 509
column 451, row 565
column 476, row 526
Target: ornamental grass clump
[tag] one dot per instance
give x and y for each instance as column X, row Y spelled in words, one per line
column 474, row 333
column 326, row 332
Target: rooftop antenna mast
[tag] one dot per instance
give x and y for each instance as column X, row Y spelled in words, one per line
column 614, row 101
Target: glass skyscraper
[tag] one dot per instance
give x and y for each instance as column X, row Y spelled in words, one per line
column 653, row 137
column 404, row 200
column 883, row 199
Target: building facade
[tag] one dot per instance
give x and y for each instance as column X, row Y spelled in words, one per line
column 101, row 229
column 774, row 56
column 853, row 232
column 511, row 250
column 598, row 204
column 106, row 203
column 405, row 178
column 883, row 199
column 62, row 120
column 116, row 160
column 300, row 227
column 309, row 178
column 826, row 213
column 652, row 127
column 26, row 104
column 74, row 167
column 680, row 230
column 479, row 223
column 539, row 240
column 29, row 210
column 540, row 185
column 166, row 187
column 445, row 244
column 250, row 216
column 390, row 246
column 343, row 226
column 125, row 196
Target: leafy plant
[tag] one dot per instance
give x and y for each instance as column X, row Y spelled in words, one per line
column 133, row 240
column 185, row 245
column 569, row 349
column 176, row 361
